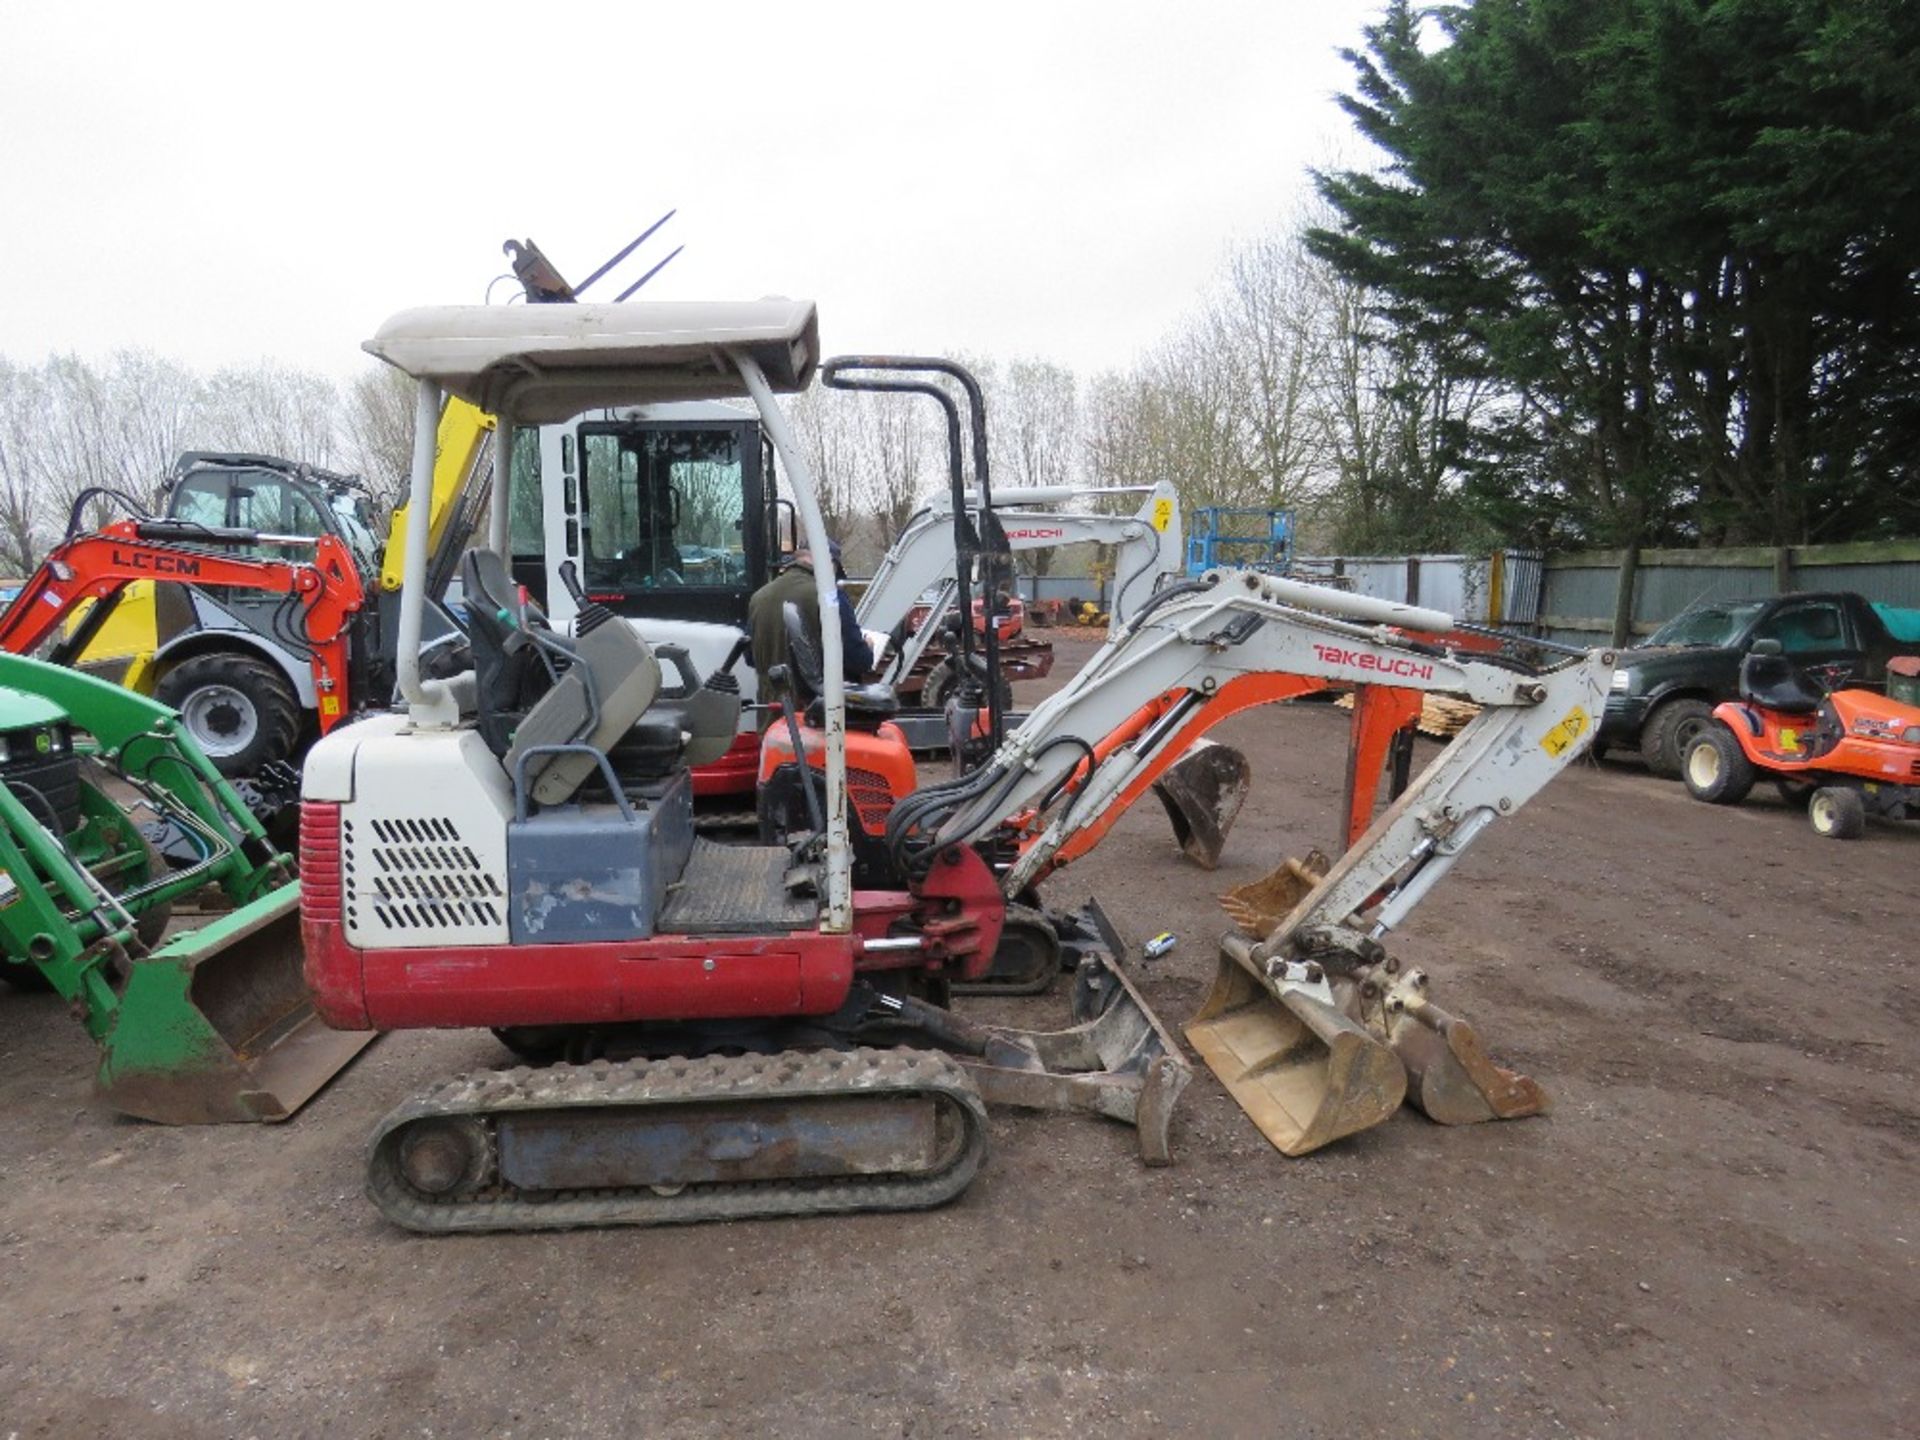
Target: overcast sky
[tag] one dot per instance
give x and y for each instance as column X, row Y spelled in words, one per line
column 225, row 183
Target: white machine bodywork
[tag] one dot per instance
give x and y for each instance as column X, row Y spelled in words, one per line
column 922, row 558
column 1234, row 624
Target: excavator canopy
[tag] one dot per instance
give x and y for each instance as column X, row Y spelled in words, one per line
column 551, row 362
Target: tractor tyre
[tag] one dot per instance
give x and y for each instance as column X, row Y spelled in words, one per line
column 1838, row 813
column 1717, row 769
column 1670, row 732
column 237, row 708
column 944, row 678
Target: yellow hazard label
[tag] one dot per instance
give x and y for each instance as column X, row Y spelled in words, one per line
column 1789, row 738
column 1162, row 514
column 329, row 705
column 1557, row 741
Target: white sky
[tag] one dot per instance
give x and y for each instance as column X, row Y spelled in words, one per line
column 222, row 183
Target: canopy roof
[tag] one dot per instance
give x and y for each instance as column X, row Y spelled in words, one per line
column 550, row 362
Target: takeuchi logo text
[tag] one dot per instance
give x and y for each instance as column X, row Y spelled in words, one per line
column 1381, row 664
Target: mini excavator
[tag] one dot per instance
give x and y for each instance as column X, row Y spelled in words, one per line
column 727, row 1031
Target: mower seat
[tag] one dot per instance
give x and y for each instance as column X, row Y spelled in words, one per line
column 1773, row 682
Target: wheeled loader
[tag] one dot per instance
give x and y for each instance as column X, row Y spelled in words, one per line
column 747, row 1030
column 212, row 1024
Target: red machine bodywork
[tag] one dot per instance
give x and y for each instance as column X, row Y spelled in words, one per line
column 734, row 773
column 957, row 914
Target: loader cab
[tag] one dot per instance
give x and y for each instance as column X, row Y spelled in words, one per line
column 668, row 511
column 276, row 497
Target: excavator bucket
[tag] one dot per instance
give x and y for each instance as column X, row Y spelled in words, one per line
column 1203, row 791
column 216, row 1025
column 1303, row 1071
column 1450, row 1077
column 1259, row 906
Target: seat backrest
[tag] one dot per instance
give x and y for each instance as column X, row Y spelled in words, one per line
column 1774, row 682
column 507, row 680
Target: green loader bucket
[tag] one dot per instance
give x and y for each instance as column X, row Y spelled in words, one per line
column 216, row 1026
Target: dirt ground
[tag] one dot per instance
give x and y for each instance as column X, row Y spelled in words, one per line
column 1715, row 1233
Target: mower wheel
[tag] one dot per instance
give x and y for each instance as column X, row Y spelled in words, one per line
column 1717, row 769
column 1838, row 813
column 237, row 708
column 1670, row 732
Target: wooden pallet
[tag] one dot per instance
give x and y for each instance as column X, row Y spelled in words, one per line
column 1441, row 716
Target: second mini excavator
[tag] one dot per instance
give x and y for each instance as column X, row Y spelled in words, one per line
column 516, row 851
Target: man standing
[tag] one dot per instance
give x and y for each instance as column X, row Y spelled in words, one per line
column 766, row 620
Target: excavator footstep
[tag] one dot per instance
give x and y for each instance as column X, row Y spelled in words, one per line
column 1203, row 791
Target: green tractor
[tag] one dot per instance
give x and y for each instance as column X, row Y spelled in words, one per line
column 209, row 1025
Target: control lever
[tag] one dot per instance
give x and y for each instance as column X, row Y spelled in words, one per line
column 589, row 615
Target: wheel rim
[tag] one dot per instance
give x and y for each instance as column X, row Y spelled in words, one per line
column 1822, row 811
column 1687, row 731
column 1703, row 766
column 221, row 720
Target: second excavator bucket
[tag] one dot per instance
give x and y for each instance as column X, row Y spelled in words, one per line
column 216, row 1025
column 1259, row 906
column 1303, row 1071
column 1203, row 791
column 1450, row 1077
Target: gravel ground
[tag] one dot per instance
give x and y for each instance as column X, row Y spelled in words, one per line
column 1715, row 1231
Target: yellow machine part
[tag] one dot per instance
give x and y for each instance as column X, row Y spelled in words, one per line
column 457, row 445
column 123, row 650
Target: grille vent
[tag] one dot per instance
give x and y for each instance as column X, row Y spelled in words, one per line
column 417, row 874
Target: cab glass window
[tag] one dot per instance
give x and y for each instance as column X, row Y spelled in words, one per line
column 662, row 508
column 1805, row 629
column 526, row 520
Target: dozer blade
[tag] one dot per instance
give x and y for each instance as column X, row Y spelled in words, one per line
column 1117, row 1059
column 1259, row 906
column 216, row 1025
column 1304, row 1073
column 1450, row 1076
column 1203, row 791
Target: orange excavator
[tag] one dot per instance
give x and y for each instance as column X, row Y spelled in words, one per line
column 77, row 586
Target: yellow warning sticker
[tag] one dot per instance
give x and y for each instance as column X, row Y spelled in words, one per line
column 329, row 705
column 1560, row 738
column 1162, row 514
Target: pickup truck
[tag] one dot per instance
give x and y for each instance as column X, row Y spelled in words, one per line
column 1665, row 689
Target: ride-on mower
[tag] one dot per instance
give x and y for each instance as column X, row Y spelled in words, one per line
column 749, row 1030
column 1849, row 753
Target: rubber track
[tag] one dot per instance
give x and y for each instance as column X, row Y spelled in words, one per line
column 1038, row 984
column 643, row 1083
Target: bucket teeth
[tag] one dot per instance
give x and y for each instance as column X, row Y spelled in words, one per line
column 1259, row 906
column 1203, row 791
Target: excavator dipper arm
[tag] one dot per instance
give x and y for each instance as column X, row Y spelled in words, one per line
column 98, row 566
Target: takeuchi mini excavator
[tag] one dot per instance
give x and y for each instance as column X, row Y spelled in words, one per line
column 748, row 1030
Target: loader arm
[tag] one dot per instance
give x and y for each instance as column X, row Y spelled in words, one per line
column 1148, row 543
column 98, row 567
column 1234, row 639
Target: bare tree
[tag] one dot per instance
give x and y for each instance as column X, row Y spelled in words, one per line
column 269, row 409
column 1034, row 421
column 379, row 432
column 23, row 519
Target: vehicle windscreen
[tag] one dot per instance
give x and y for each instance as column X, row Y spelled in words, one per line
column 662, row 508
column 1708, row 624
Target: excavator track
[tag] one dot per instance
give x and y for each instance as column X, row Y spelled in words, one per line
column 668, row 1142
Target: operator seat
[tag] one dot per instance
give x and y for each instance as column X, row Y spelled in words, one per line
column 1773, row 682
column 610, row 678
column 508, row 677
column 867, row 705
